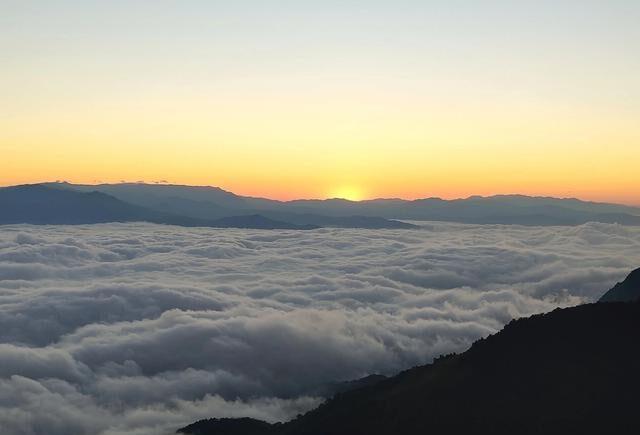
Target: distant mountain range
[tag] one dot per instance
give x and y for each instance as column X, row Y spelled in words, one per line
column 570, row 371
column 64, row 203
column 39, row 204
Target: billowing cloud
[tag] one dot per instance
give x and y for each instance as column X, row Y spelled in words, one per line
column 139, row 328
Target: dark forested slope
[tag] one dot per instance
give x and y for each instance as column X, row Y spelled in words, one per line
column 625, row 291
column 574, row 370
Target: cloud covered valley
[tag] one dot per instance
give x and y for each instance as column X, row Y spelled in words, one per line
column 141, row 328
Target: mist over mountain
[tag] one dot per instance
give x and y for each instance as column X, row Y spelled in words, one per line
column 212, row 202
column 573, row 370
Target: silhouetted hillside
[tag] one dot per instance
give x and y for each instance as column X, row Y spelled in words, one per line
column 573, row 370
column 331, row 389
column 625, row 291
column 228, row 426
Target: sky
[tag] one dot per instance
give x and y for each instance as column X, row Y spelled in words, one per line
column 301, row 99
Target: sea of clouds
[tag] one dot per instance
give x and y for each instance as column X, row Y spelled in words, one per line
column 141, row 328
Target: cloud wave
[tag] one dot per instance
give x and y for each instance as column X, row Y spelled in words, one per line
column 140, row 328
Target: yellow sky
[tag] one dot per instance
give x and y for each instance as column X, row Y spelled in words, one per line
column 299, row 112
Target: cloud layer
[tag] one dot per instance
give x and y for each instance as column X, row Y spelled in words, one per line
column 139, row 329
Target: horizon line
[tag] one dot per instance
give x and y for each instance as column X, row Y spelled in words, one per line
column 209, row 186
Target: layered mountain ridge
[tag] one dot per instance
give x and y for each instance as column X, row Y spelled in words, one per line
column 44, row 205
column 204, row 206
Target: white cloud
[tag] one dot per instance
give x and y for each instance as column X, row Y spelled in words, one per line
column 138, row 328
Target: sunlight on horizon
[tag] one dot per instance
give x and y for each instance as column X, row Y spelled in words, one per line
column 350, row 193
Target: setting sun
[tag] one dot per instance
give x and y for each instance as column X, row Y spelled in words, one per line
column 351, row 193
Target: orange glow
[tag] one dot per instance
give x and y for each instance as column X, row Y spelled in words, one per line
column 418, row 109
column 345, row 151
